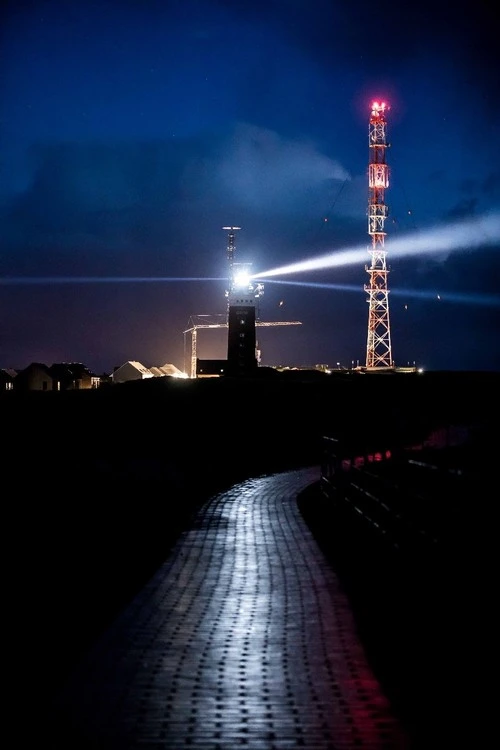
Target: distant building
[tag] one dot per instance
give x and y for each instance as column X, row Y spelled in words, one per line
column 73, row 376
column 168, row 370
column 241, row 343
column 104, row 379
column 7, row 379
column 211, row 368
column 35, row 377
column 131, row 370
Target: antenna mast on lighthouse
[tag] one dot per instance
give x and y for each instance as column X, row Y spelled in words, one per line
column 231, row 246
column 378, row 349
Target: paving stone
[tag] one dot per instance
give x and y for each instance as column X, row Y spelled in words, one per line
column 243, row 638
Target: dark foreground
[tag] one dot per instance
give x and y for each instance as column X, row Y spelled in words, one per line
column 242, row 638
column 430, row 630
column 102, row 483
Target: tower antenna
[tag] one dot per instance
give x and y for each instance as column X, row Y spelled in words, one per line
column 378, row 348
column 231, row 246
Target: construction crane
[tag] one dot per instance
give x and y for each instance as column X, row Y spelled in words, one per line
column 197, row 322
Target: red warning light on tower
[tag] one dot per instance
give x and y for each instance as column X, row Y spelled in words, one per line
column 379, row 108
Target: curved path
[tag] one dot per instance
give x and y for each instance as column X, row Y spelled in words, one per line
column 243, row 638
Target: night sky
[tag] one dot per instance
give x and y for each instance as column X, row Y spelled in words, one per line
column 131, row 132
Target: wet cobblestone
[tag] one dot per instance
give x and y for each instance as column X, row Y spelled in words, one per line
column 243, row 638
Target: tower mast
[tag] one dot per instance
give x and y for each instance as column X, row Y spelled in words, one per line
column 242, row 295
column 378, row 349
column 231, row 246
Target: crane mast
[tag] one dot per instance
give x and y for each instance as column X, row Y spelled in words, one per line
column 378, row 349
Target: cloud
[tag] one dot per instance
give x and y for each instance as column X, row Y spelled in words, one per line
column 262, row 169
column 146, row 193
column 463, row 209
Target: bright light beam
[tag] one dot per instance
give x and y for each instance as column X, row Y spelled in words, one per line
column 317, row 285
column 487, row 300
column 466, row 235
column 20, row 280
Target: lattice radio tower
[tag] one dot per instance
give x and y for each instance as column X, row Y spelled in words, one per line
column 378, row 349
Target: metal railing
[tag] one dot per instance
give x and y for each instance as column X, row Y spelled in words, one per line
column 412, row 498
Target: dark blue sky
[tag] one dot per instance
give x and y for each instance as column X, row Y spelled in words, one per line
column 132, row 131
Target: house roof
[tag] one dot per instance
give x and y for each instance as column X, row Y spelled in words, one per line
column 155, row 371
column 166, row 369
column 137, row 365
column 35, row 366
column 70, row 369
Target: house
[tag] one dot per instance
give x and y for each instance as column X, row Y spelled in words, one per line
column 167, row 370
column 104, row 379
column 35, row 377
column 131, row 370
column 73, row 376
column 7, row 379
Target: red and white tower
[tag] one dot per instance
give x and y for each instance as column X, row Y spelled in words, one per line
column 378, row 349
